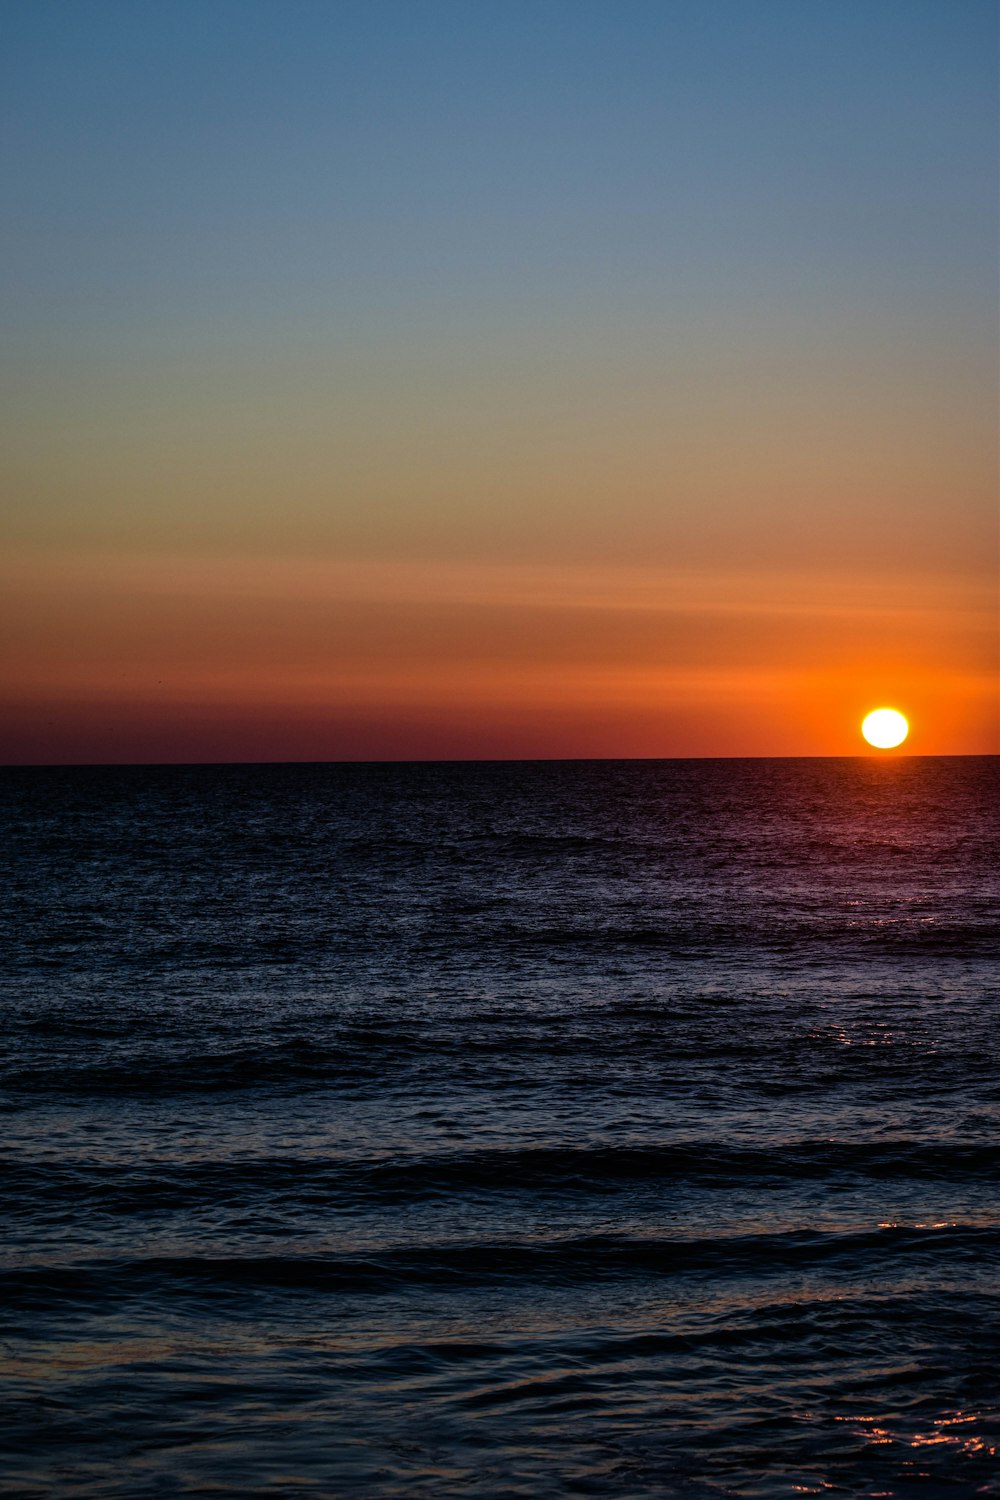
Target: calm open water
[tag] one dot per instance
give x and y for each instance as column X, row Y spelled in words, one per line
column 597, row 1128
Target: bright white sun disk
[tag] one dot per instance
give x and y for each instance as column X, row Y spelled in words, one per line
column 885, row 728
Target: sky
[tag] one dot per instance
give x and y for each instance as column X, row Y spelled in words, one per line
column 404, row 379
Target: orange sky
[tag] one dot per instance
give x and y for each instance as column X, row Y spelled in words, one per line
column 259, row 659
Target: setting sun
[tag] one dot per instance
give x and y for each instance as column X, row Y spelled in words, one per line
column 885, row 728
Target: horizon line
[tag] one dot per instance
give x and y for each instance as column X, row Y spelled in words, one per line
column 525, row 760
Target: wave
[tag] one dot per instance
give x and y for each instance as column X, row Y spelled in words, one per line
column 554, row 1170
column 476, row 928
column 561, row 1262
column 590, row 1045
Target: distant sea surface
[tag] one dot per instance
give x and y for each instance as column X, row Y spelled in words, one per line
column 620, row 1129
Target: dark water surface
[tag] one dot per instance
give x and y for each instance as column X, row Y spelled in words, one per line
column 610, row 1128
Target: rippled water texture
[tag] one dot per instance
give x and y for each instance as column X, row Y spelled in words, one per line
column 619, row 1129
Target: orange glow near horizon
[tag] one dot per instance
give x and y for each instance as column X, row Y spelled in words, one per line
column 158, row 659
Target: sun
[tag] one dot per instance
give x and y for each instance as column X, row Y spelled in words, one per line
column 885, row 728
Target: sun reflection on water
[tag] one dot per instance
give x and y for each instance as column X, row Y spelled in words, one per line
column 940, row 1435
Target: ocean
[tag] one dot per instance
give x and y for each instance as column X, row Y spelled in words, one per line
column 620, row 1129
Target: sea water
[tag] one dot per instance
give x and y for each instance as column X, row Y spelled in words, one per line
column 589, row 1128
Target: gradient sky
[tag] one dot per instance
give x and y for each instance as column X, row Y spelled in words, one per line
column 408, row 378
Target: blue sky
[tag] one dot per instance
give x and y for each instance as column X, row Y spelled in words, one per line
column 251, row 159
